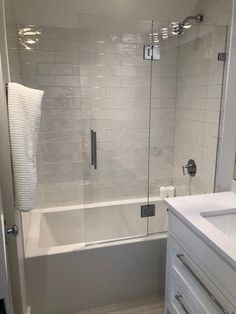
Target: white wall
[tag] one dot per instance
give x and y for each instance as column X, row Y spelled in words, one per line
column 62, row 13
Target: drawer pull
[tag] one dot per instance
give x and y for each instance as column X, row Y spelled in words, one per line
column 185, row 263
column 179, row 298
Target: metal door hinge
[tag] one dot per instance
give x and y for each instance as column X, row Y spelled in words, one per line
column 148, row 210
column 221, row 56
column 151, row 52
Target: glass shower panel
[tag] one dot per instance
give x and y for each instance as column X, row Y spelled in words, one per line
column 162, row 122
column 115, row 98
column 47, row 58
column 185, row 113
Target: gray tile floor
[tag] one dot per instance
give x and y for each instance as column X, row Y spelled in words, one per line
column 148, row 305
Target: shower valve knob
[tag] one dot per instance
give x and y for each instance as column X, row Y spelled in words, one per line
column 190, row 167
column 185, row 167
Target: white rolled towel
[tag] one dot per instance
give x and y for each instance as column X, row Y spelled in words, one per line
column 163, row 192
column 171, row 191
column 24, row 112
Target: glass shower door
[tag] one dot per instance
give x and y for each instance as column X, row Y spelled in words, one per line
column 115, row 99
column 185, row 113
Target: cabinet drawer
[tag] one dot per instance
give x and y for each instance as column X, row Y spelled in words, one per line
column 205, row 257
column 179, row 300
column 189, row 276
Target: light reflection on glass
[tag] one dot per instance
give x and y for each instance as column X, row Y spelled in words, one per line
column 174, row 28
column 29, row 36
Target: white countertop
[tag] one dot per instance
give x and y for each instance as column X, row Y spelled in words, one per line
column 189, row 209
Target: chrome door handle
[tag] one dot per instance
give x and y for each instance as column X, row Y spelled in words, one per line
column 179, row 298
column 208, row 292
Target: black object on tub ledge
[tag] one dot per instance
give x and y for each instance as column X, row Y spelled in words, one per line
column 2, row 307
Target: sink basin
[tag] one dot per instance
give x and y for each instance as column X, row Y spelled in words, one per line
column 224, row 220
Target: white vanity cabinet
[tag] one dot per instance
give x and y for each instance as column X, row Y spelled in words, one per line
column 198, row 279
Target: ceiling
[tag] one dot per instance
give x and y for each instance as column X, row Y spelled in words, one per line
column 63, row 13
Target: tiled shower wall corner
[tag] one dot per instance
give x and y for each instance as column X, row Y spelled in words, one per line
column 203, row 131
column 220, row 13
column 198, row 103
column 95, row 79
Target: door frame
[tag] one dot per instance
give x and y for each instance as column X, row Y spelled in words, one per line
column 5, row 292
column 14, row 246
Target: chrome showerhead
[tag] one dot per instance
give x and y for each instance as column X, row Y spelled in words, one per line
column 197, row 18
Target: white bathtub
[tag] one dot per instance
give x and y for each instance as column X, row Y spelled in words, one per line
column 79, row 258
column 69, row 228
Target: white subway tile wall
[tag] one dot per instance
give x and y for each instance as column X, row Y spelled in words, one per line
column 218, row 13
column 117, row 78
column 92, row 80
column 118, row 94
column 198, row 103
